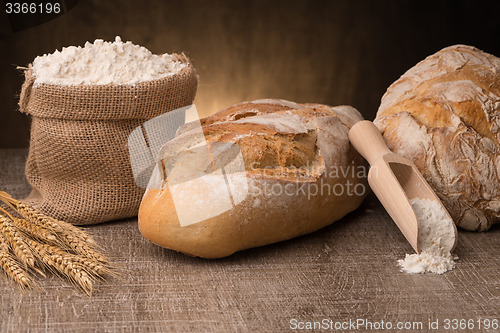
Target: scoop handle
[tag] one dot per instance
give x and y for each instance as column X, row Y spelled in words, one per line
column 368, row 141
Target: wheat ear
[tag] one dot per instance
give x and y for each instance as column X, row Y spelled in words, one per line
column 63, row 265
column 57, row 245
column 76, row 232
column 76, row 239
column 47, row 222
column 93, row 267
column 11, row 267
column 78, row 246
column 36, row 218
column 16, row 242
column 35, row 231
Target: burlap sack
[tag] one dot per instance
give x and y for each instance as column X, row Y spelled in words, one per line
column 78, row 163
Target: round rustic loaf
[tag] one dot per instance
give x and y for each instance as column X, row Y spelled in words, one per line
column 443, row 114
column 260, row 172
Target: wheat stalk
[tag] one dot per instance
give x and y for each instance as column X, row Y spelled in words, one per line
column 33, row 230
column 37, row 218
column 93, row 267
column 78, row 246
column 76, row 239
column 10, row 265
column 63, row 229
column 16, row 242
column 76, row 232
column 55, row 258
column 38, row 239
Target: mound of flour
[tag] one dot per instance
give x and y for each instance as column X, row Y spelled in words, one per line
column 436, row 238
column 103, row 63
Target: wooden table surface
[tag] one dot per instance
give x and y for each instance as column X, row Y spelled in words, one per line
column 345, row 274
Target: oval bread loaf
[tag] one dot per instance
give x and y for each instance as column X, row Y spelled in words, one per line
column 261, row 172
column 444, row 115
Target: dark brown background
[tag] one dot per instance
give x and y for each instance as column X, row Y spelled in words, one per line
column 332, row 52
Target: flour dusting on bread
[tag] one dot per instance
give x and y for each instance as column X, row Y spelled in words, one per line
column 280, row 122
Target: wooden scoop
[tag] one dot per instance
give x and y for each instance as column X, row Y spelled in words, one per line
column 394, row 179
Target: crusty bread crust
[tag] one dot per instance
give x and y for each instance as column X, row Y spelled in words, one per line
column 444, row 115
column 297, row 160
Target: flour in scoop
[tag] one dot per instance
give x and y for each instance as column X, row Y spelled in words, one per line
column 436, row 240
column 103, row 63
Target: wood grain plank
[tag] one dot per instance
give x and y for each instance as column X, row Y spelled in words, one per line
column 345, row 271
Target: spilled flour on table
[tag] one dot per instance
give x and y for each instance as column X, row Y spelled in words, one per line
column 436, row 240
